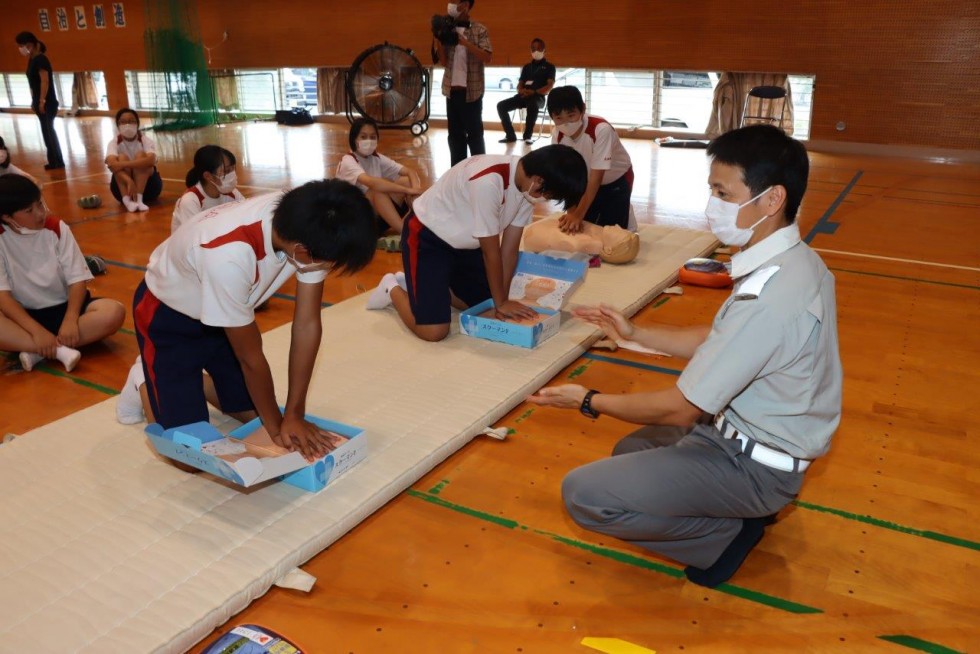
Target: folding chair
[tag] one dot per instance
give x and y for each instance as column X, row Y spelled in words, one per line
column 769, row 103
column 542, row 117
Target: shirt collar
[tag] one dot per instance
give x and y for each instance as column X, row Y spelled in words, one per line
column 750, row 259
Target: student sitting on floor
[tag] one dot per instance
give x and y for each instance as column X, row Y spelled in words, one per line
column 461, row 241
column 131, row 157
column 211, row 182
column 607, row 197
column 45, row 309
column 7, row 168
column 195, row 309
column 389, row 185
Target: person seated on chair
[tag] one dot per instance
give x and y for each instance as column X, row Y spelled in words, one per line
column 461, row 240
column 537, row 78
column 46, row 310
column 211, row 182
column 131, row 156
column 389, row 185
column 607, row 198
column 725, row 448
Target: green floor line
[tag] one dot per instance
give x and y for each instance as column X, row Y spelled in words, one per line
column 57, row 373
column 922, row 645
column 906, row 279
column 931, row 535
column 615, row 555
column 435, row 490
column 128, row 332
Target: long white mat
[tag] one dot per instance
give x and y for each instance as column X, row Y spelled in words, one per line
column 104, row 548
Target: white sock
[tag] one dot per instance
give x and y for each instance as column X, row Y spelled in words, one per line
column 400, row 278
column 129, row 405
column 29, row 359
column 140, row 205
column 381, row 296
column 68, row 357
column 129, row 204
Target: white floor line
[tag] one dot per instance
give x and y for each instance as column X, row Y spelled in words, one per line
column 72, row 179
column 258, row 188
column 875, row 256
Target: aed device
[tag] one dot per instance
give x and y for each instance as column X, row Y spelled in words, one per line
column 252, row 639
column 705, row 272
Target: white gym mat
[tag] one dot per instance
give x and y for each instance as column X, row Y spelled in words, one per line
column 105, row 548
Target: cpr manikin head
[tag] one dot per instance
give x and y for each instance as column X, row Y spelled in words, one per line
column 612, row 243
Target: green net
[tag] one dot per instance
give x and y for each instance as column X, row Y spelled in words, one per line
column 175, row 61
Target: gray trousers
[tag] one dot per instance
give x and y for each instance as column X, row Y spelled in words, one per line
column 678, row 492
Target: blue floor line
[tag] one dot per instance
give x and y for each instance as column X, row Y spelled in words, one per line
column 824, row 226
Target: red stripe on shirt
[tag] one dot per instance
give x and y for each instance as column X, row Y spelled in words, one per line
column 250, row 234
column 53, row 224
column 502, row 169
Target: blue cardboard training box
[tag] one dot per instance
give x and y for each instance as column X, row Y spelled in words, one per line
column 541, row 281
column 202, row 446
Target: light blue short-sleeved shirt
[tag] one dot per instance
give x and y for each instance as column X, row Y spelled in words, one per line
column 771, row 362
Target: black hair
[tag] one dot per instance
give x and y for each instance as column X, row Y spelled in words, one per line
column 471, row 2
column 563, row 170
column 333, row 219
column 565, row 98
column 355, row 130
column 541, row 41
column 230, row 156
column 127, row 110
column 3, row 146
column 207, row 159
column 766, row 157
column 16, row 194
column 28, row 38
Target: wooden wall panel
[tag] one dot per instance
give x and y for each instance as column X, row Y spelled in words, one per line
column 896, row 73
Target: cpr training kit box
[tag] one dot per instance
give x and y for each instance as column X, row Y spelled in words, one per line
column 543, row 282
column 247, row 456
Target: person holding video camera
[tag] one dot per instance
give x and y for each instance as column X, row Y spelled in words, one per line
column 462, row 46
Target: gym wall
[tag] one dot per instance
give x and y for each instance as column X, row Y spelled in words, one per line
column 896, row 73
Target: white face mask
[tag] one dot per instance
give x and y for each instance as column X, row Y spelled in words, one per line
column 23, row 231
column 128, row 131
column 452, row 9
column 366, row 147
column 723, row 219
column 228, row 183
column 538, row 55
column 4, row 156
column 24, row 50
column 532, row 199
column 306, row 267
column 568, row 129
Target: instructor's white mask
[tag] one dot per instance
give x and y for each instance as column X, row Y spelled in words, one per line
column 723, row 220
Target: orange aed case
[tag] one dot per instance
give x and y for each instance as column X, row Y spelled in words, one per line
column 705, row 272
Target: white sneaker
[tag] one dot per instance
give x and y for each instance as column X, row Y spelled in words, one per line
column 380, row 297
column 129, row 404
column 29, row 359
column 68, row 356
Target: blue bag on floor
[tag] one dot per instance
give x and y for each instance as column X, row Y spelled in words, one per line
column 252, row 639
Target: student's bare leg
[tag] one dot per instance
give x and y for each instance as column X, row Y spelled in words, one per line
column 102, row 318
column 13, row 337
column 385, row 206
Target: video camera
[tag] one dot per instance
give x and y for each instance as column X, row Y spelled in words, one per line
column 444, row 29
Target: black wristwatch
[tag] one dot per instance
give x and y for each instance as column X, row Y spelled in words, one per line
column 586, row 407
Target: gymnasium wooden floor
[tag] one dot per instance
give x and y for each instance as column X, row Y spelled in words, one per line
column 880, row 552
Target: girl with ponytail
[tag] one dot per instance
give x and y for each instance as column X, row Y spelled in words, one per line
column 211, row 182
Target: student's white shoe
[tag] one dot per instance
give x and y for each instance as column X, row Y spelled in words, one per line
column 68, row 356
column 129, row 204
column 129, row 404
column 140, row 205
column 29, row 359
column 381, row 296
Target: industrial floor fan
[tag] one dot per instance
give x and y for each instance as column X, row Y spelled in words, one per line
column 387, row 84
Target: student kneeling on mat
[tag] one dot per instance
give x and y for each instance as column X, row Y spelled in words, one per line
column 726, row 448
column 461, row 240
column 195, row 309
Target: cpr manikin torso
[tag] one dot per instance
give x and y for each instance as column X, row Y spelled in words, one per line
column 613, row 244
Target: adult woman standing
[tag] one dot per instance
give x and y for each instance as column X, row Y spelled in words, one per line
column 44, row 101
